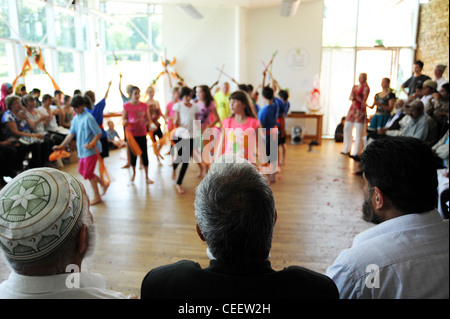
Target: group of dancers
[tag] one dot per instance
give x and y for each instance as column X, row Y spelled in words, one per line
column 200, row 126
column 197, row 124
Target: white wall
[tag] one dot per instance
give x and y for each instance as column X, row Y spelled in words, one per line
column 200, row 46
column 269, row 32
column 241, row 39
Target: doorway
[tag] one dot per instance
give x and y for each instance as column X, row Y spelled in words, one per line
column 377, row 63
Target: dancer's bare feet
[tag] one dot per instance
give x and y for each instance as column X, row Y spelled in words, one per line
column 105, row 188
column 180, row 190
column 95, row 201
column 149, row 181
column 126, row 166
column 133, row 176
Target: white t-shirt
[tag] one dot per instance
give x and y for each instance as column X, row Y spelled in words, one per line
column 440, row 82
column 186, row 119
column 52, row 125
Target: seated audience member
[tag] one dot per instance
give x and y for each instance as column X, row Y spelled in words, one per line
column 417, row 95
column 396, row 125
column 45, row 241
column 20, row 90
column 406, row 255
column 16, row 126
column 400, row 111
column 339, row 132
column 421, row 125
column 6, row 90
column 443, row 192
column 51, row 112
column 428, row 88
column 36, row 93
column 67, row 112
column 235, row 213
column 112, row 134
column 440, row 150
column 36, row 122
column 11, row 160
column 437, row 108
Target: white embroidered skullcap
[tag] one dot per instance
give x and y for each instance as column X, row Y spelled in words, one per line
column 38, row 209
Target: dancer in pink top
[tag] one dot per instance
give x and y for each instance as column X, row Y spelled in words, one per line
column 136, row 115
column 240, row 130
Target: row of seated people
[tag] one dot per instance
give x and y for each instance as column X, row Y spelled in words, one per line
column 30, row 128
column 425, row 116
column 404, row 255
column 29, row 133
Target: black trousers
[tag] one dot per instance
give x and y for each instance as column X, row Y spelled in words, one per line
column 142, row 142
column 185, row 151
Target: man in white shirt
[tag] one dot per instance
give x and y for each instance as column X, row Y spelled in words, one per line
column 406, row 255
column 421, row 125
column 46, row 230
column 438, row 72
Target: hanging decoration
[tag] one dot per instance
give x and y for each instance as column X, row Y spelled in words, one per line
column 36, row 54
column 169, row 71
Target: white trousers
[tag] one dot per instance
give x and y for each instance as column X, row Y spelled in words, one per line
column 348, row 137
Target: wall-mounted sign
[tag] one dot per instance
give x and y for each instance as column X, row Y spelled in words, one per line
column 297, row 58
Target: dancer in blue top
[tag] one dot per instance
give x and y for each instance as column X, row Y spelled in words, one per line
column 97, row 112
column 88, row 134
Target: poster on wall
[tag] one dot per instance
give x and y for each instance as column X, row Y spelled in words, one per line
column 297, row 58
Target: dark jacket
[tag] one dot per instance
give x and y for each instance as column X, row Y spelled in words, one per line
column 187, row 280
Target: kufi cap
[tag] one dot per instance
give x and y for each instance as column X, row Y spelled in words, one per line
column 431, row 84
column 38, row 209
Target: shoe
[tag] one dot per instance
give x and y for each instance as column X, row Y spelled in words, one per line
column 344, row 153
column 355, row 157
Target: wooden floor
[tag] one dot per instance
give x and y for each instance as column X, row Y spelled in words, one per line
column 141, row 226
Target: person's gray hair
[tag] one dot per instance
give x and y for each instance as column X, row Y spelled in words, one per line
column 235, row 212
column 10, row 99
column 62, row 257
column 417, row 105
column 441, row 67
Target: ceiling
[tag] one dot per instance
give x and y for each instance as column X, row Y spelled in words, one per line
column 252, row 4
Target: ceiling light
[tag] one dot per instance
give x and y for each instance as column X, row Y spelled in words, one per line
column 289, row 8
column 190, row 10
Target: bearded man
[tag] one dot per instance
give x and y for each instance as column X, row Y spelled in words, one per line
column 406, row 255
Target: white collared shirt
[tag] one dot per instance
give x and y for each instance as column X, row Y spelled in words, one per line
column 91, row 286
column 411, row 253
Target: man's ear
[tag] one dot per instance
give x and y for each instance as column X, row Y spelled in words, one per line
column 199, row 232
column 83, row 240
column 378, row 199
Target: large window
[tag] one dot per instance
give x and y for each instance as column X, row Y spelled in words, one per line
column 374, row 37
column 84, row 44
column 64, row 29
column 4, row 17
column 132, row 47
column 32, row 20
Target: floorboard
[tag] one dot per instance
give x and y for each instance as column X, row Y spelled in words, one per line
column 140, row 226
